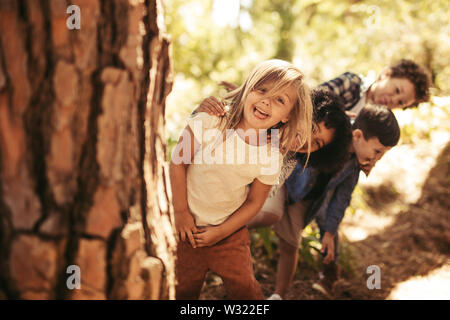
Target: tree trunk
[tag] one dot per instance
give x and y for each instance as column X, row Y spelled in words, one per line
column 82, row 158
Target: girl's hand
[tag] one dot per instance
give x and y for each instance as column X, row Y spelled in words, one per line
column 208, row 236
column 185, row 226
column 212, row 106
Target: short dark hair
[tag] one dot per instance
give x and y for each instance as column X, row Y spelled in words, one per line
column 378, row 121
column 329, row 108
column 418, row 76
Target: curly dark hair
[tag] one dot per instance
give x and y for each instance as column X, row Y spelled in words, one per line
column 379, row 122
column 419, row 77
column 329, row 108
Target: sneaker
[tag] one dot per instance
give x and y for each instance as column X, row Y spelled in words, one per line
column 275, row 296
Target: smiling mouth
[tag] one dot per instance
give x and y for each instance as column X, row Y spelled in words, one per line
column 260, row 114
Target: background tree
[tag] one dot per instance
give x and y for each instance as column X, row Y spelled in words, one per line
column 82, row 158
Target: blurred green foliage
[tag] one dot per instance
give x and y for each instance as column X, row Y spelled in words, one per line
column 266, row 239
column 309, row 251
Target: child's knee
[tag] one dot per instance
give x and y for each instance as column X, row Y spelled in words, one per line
column 286, row 248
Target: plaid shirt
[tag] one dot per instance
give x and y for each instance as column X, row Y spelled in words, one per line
column 348, row 86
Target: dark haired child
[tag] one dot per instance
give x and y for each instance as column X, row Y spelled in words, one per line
column 325, row 198
column 402, row 85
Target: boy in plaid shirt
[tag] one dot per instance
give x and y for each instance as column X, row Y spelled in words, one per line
column 403, row 85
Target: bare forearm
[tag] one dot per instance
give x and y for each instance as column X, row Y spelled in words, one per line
column 241, row 217
column 249, row 209
column 179, row 186
column 251, row 206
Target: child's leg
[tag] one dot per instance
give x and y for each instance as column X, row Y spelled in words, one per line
column 289, row 231
column 231, row 259
column 190, row 270
column 287, row 264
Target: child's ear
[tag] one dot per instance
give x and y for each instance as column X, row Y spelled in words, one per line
column 357, row 134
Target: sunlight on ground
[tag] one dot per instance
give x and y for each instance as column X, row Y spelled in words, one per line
column 435, row 285
column 363, row 225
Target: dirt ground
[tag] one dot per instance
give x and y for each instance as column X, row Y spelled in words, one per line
column 401, row 224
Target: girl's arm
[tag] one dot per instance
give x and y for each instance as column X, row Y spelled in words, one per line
column 258, row 193
column 181, row 157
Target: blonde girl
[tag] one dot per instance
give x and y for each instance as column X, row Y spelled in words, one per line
column 220, row 177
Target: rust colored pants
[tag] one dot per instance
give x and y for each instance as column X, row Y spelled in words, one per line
column 230, row 259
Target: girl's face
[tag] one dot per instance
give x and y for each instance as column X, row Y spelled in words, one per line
column 262, row 111
column 321, row 136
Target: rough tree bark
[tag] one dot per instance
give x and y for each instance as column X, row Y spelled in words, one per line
column 82, row 157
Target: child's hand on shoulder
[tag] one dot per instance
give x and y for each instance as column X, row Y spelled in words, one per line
column 185, row 226
column 208, row 236
column 212, row 106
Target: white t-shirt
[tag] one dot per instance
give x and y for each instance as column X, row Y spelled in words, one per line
column 218, row 179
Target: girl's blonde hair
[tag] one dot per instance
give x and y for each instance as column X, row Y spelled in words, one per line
column 283, row 74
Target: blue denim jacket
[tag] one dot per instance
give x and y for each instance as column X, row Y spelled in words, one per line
column 329, row 208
